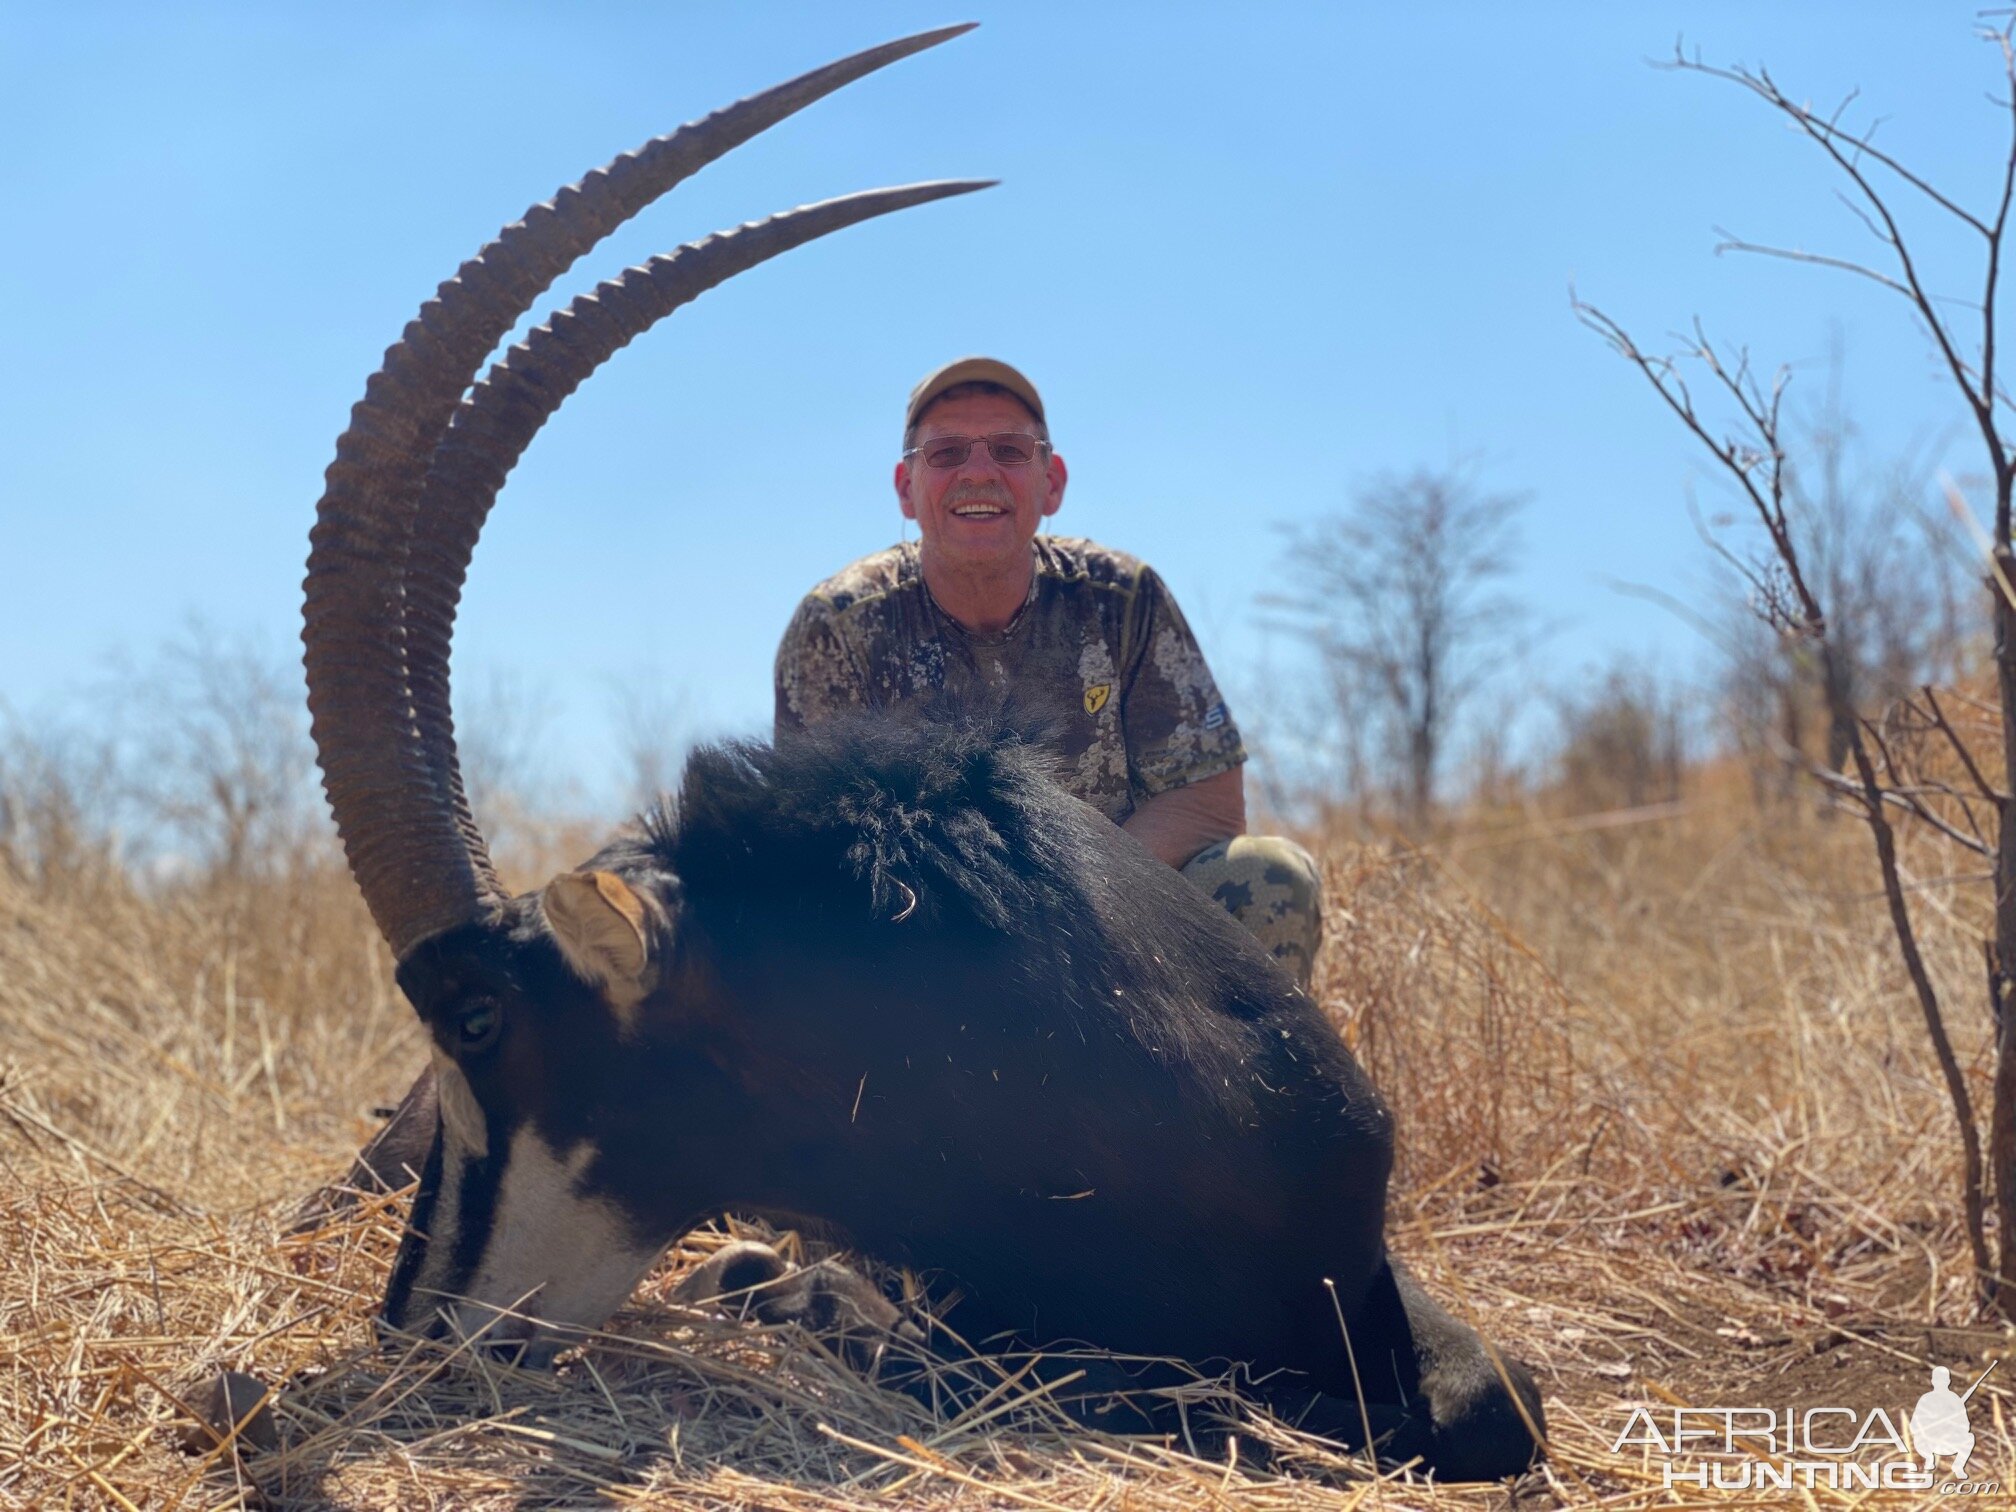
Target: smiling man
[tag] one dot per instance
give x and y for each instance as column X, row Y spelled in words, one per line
column 1087, row 639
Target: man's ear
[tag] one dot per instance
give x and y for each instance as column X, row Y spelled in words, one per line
column 1058, row 475
column 602, row 928
column 903, row 491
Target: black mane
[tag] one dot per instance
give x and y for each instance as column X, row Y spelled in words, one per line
column 962, row 827
column 941, row 851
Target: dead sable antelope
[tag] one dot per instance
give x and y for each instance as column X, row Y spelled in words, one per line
column 888, row 978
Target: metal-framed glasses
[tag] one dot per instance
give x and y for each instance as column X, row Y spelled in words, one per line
column 1007, row 448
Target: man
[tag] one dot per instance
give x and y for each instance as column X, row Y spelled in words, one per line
column 1087, row 639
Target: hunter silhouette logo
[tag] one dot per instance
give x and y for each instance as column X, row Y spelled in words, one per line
column 1939, row 1422
column 1780, row 1448
column 1096, row 696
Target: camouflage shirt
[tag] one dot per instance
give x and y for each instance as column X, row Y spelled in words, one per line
column 1099, row 654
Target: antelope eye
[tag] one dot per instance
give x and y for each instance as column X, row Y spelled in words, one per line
column 477, row 1025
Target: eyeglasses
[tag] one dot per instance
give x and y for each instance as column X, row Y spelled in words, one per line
column 1007, row 448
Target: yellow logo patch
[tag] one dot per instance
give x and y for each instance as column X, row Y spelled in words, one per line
column 1096, row 696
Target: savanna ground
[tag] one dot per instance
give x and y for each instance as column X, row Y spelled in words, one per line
column 1671, row 1132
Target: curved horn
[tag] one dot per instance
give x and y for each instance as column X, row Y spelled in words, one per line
column 419, row 870
column 523, row 390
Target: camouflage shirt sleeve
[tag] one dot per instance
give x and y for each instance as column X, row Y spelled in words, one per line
column 817, row 673
column 1178, row 729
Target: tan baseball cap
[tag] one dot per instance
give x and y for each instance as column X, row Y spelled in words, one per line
column 972, row 370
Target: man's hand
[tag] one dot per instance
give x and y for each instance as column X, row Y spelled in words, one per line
column 1179, row 823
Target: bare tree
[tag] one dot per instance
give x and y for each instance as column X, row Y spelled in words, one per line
column 1397, row 596
column 217, row 762
column 1871, row 545
column 60, row 796
column 1623, row 741
column 1882, row 780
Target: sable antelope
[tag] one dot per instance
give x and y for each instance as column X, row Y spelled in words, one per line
column 887, row 978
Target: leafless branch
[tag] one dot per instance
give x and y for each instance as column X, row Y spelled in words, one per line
column 1911, row 795
column 1849, row 787
column 1827, row 130
column 1732, row 243
column 1961, row 750
column 1849, row 152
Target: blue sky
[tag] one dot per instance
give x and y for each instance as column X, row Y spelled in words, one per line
column 1253, row 256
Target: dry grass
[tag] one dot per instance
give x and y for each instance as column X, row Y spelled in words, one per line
column 1671, row 1133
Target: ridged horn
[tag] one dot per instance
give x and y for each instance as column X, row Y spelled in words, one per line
column 420, row 871
column 496, row 423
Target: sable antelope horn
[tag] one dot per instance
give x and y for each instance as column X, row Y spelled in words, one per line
column 521, row 392
column 378, row 611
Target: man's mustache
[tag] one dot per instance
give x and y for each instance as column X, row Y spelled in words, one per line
column 978, row 493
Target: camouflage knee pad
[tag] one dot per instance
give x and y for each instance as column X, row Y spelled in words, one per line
column 1271, row 886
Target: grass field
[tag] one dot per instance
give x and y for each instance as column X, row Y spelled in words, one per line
column 1670, row 1132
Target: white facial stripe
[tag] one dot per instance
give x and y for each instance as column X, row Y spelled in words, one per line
column 460, row 1111
column 554, row 1253
column 434, row 1280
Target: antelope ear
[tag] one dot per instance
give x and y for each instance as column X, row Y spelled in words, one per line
column 600, row 925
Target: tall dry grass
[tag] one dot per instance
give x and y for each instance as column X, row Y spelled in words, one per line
column 1670, row 1132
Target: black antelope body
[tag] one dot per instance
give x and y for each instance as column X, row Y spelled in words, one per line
column 889, row 978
